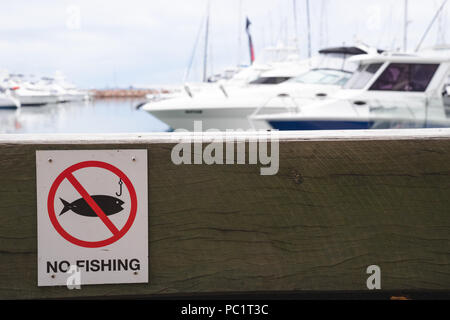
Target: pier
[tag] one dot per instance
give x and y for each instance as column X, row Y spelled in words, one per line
column 340, row 202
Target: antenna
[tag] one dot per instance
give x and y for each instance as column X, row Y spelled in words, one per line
column 430, row 25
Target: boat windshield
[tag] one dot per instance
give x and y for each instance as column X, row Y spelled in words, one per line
column 405, row 77
column 362, row 76
column 323, row 76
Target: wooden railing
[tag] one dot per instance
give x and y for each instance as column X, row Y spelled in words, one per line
column 340, row 202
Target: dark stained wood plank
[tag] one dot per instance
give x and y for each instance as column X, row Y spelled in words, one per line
column 335, row 207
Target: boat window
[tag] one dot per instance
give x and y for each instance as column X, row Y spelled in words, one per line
column 405, row 77
column 270, row 80
column 323, row 76
column 362, row 76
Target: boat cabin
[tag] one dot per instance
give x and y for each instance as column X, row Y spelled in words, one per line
column 399, row 73
column 332, row 59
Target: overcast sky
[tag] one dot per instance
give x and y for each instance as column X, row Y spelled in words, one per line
column 99, row 43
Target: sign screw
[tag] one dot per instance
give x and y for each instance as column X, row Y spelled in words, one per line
column 135, row 273
column 134, row 158
column 53, row 276
column 50, row 160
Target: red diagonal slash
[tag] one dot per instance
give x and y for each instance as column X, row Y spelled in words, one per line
column 92, row 203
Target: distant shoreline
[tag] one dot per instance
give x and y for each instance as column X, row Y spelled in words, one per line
column 124, row 93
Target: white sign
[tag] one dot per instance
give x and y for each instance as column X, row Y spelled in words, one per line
column 92, row 215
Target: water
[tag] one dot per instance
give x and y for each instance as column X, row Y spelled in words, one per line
column 98, row 116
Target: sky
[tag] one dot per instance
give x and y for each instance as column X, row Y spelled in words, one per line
column 99, row 43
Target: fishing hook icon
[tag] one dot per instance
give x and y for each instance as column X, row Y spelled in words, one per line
column 120, row 190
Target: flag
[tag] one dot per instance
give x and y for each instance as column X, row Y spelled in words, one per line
column 250, row 42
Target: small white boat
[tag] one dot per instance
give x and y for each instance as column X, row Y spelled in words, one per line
column 37, row 92
column 8, row 102
column 34, row 97
column 387, row 91
column 69, row 92
column 27, row 92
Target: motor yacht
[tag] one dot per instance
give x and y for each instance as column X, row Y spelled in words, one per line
column 389, row 90
column 229, row 105
column 71, row 92
column 8, row 102
column 28, row 92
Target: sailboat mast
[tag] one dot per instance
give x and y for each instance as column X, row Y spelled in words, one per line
column 322, row 16
column 205, row 55
column 308, row 19
column 295, row 24
column 405, row 27
column 239, row 34
column 431, row 24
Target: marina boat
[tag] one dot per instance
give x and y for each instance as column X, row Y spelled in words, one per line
column 31, row 96
column 229, row 105
column 61, row 94
column 70, row 92
column 390, row 90
column 29, row 93
column 275, row 65
column 8, row 102
column 37, row 92
column 64, row 91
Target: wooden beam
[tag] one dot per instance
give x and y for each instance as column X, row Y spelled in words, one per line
column 340, row 202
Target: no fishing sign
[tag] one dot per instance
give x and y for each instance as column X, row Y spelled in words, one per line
column 92, row 211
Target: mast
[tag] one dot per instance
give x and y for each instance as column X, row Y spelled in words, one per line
column 323, row 24
column 191, row 59
column 322, row 15
column 205, row 55
column 308, row 19
column 405, row 27
column 239, row 34
column 431, row 24
column 440, row 39
column 295, row 24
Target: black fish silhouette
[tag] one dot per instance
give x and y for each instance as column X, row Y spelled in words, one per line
column 108, row 204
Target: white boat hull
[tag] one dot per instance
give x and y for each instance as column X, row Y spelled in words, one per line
column 233, row 108
column 217, row 118
column 379, row 111
column 8, row 103
column 36, row 100
column 78, row 97
column 72, row 97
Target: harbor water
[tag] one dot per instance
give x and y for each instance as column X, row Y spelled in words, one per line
column 97, row 116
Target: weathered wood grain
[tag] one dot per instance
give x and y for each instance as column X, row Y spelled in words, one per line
column 336, row 206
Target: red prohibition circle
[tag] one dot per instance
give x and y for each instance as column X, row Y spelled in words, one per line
column 64, row 175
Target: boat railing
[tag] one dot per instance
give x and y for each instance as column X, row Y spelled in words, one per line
column 289, row 104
